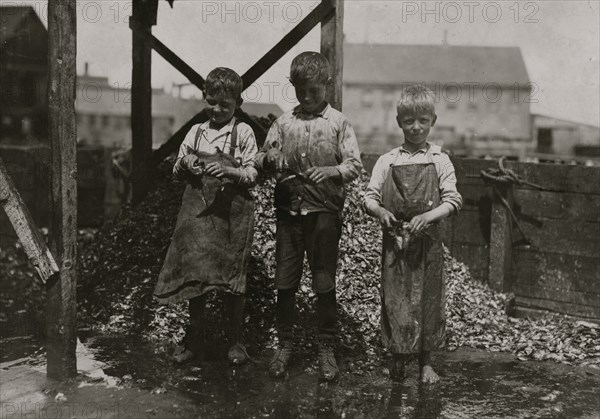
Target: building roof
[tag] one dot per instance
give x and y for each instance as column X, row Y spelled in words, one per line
column 396, row 64
column 547, row 121
column 11, row 18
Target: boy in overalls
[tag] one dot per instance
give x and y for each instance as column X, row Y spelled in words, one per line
column 213, row 236
column 412, row 187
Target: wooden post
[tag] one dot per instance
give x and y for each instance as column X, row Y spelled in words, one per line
column 500, row 240
column 141, row 97
column 332, row 47
column 62, row 130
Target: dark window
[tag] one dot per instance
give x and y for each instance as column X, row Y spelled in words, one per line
column 544, row 140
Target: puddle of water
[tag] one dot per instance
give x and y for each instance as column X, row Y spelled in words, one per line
column 474, row 384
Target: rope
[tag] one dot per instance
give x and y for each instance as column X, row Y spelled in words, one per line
column 507, row 177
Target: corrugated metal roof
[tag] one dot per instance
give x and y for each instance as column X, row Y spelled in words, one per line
column 396, row 64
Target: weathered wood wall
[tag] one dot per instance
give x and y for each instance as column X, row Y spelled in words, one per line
column 29, row 168
column 560, row 270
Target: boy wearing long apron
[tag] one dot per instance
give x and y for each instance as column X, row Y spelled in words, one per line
column 411, row 188
column 212, row 240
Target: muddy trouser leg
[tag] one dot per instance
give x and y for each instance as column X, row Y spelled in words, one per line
column 322, row 232
column 195, row 329
column 234, row 304
column 289, row 256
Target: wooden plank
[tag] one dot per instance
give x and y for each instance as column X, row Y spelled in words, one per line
column 574, row 297
column 557, row 271
column 476, row 197
column 172, row 58
column 29, row 235
column 468, row 170
column 557, row 205
column 500, row 239
column 573, row 309
column 472, row 227
column 323, row 10
column 141, row 102
column 332, row 47
column 62, row 129
column 557, row 236
column 557, row 177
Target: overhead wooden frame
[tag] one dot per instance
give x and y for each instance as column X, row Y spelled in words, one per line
column 328, row 12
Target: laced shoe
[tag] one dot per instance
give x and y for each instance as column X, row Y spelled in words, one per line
column 238, row 355
column 327, row 363
column 279, row 363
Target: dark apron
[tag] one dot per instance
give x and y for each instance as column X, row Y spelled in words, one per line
column 212, row 240
column 412, row 318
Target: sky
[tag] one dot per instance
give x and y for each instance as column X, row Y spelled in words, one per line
column 559, row 40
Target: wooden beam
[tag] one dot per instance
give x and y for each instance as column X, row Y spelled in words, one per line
column 33, row 243
column 141, row 101
column 322, row 11
column 499, row 271
column 62, row 131
column 332, row 47
column 172, row 58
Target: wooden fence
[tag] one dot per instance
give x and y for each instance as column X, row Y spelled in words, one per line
column 560, row 270
column 29, row 168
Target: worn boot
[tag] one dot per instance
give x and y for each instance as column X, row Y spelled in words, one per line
column 194, row 334
column 234, row 305
column 278, row 365
column 327, row 363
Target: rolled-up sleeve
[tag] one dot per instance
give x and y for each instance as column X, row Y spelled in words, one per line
column 273, row 140
column 372, row 197
column 249, row 150
column 351, row 165
column 447, row 179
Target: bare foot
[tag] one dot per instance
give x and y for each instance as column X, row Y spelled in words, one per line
column 428, row 375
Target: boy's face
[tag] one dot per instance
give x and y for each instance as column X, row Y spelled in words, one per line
column 220, row 107
column 416, row 126
column 311, row 95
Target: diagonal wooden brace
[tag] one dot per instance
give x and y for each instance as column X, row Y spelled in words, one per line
column 33, row 243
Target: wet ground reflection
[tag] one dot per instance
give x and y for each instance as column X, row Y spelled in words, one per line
column 475, row 384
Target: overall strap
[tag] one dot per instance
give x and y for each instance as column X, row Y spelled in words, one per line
column 199, row 132
column 234, row 135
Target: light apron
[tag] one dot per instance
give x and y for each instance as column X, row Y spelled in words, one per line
column 413, row 294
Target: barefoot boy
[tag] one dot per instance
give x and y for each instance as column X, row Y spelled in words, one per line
column 411, row 188
column 313, row 152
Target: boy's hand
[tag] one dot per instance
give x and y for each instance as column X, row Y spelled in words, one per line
column 192, row 164
column 386, row 218
column 319, row 174
column 275, row 159
column 217, row 170
column 418, row 224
